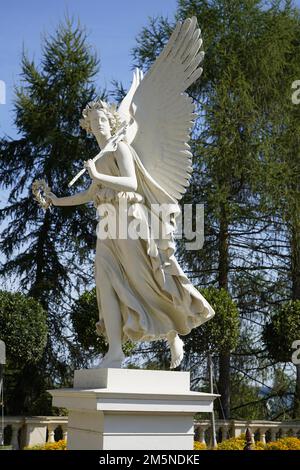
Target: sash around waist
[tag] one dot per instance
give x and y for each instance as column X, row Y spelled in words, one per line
column 113, row 196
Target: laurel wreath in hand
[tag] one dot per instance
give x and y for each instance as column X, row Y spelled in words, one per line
column 40, row 189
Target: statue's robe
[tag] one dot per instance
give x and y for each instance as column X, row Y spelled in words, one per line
column 154, row 294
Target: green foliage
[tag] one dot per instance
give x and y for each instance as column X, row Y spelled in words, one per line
column 23, row 328
column 84, row 316
column 234, row 443
column 246, row 171
column 280, row 332
column 238, row 443
column 199, row 446
column 246, row 400
column 45, row 248
column 285, row 443
column 278, row 336
column 246, row 165
column 49, row 252
column 221, row 333
column 58, row 445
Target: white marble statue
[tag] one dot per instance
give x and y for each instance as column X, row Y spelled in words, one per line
column 142, row 292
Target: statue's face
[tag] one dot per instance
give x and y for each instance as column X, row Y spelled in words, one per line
column 99, row 123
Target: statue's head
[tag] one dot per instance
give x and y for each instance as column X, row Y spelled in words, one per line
column 100, row 118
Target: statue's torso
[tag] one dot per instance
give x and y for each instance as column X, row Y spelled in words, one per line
column 101, row 193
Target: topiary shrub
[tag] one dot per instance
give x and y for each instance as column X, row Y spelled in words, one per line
column 221, row 333
column 84, row 315
column 280, row 332
column 23, row 328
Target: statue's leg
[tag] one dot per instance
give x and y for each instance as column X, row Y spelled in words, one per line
column 176, row 347
column 111, row 313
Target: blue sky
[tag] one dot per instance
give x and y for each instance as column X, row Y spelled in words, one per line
column 112, row 26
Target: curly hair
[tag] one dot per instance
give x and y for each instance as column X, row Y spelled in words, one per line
column 110, row 111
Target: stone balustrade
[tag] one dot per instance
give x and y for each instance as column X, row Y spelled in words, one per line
column 264, row 431
column 30, row 431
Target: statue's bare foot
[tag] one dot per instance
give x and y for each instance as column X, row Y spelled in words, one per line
column 177, row 351
column 112, row 360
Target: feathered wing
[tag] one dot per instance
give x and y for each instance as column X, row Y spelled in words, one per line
column 124, row 108
column 164, row 114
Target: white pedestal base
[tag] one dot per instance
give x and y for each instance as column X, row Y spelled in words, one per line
column 131, row 409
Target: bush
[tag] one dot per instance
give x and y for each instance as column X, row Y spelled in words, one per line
column 84, row 315
column 259, row 446
column 199, row 446
column 221, row 333
column 234, row 443
column 59, row 445
column 282, row 330
column 286, row 443
column 23, row 327
column 238, row 443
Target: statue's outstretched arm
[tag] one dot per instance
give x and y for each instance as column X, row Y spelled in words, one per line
column 75, row 200
column 127, row 181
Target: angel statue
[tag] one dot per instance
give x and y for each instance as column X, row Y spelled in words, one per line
column 142, row 293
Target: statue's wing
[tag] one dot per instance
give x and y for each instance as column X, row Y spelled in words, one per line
column 125, row 109
column 164, row 113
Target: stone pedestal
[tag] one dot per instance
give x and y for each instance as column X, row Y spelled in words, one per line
column 131, row 409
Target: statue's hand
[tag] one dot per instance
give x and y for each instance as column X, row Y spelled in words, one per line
column 51, row 196
column 91, row 168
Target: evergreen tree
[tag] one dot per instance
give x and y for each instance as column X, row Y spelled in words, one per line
column 50, row 251
column 248, row 45
column 280, row 189
column 279, row 334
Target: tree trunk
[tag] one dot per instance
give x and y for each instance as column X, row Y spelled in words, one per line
column 224, row 385
column 296, row 408
column 40, row 286
column 223, row 249
column 295, row 261
column 295, row 273
column 224, row 357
